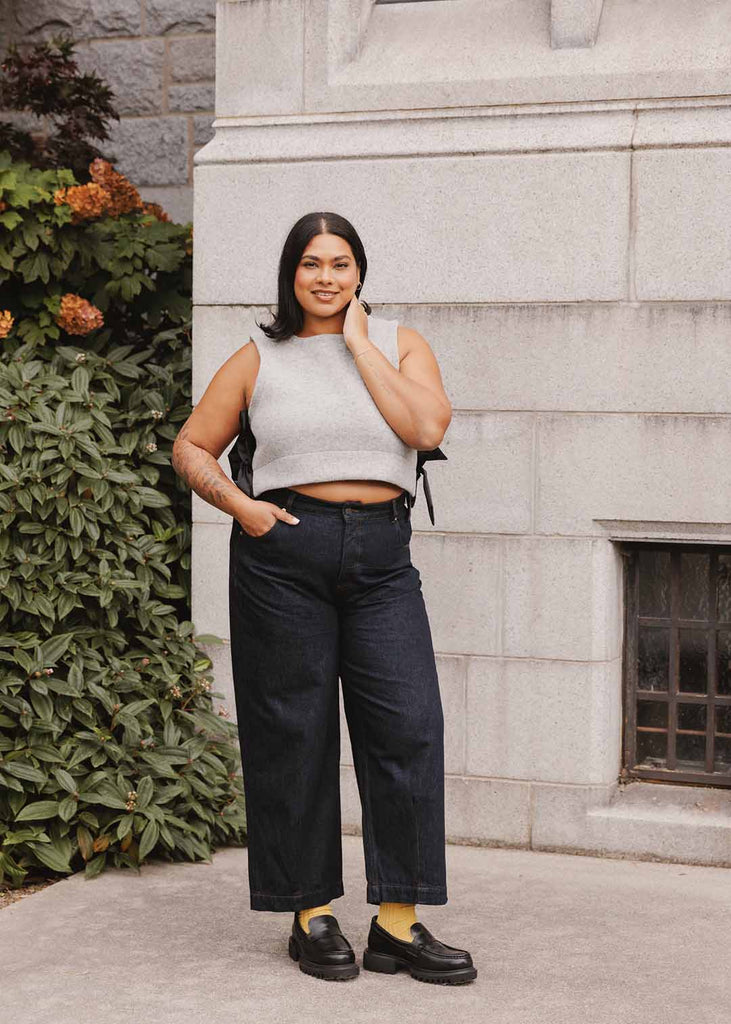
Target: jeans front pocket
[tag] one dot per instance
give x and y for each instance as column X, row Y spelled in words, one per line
column 261, row 536
column 404, row 525
column 385, row 542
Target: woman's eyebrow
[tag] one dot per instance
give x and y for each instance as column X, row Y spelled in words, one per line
column 309, row 256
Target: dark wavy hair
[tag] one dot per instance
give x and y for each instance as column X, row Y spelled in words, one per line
column 289, row 318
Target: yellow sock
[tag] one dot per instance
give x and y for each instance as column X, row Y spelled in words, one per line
column 397, row 918
column 303, row 916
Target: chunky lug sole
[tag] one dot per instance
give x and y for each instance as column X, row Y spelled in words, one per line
column 384, row 963
column 330, row 972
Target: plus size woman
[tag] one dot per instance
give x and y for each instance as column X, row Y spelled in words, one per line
column 330, row 407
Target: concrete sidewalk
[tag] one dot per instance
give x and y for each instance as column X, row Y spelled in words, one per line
column 556, row 939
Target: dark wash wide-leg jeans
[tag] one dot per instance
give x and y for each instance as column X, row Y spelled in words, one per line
column 336, row 597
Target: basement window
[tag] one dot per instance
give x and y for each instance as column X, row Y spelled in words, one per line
column 677, row 663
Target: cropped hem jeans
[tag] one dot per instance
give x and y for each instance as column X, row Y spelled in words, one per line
column 335, row 600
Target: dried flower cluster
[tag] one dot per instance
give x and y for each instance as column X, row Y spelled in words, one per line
column 77, row 315
column 6, row 322
column 87, row 201
column 156, row 210
column 109, row 193
column 124, row 197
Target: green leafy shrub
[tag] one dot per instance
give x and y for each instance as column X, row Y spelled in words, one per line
column 110, row 748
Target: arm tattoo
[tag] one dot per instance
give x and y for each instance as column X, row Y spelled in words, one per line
column 202, row 473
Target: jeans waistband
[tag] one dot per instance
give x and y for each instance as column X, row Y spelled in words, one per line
column 290, row 499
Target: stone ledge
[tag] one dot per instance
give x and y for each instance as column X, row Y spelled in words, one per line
column 397, row 135
column 658, row 530
column 468, row 131
column 637, row 821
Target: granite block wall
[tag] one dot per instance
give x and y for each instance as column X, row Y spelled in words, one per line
column 158, row 57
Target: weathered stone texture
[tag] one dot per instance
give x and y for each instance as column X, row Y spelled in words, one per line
column 179, row 16
column 683, row 248
column 193, row 58
column 84, row 19
column 197, row 96
column 548, row 720
column 261, row 68
column 152, row 150
column 202, row 130
column 132, row 68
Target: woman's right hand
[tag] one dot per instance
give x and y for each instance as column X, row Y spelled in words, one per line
column 261, row 517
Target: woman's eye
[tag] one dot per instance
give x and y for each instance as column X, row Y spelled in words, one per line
column 339, row 266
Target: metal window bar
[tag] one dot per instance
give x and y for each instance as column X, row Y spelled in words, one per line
column 673, row 698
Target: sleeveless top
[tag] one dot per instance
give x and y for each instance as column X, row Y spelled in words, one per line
column 314, row 419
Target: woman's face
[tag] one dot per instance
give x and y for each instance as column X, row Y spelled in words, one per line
column 326, row 265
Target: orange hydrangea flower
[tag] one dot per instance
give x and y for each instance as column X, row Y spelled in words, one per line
column 123, row 196
column 6, row 322
column 156, row 210
column 77, row 316
column 109, row 192
column 87, row 201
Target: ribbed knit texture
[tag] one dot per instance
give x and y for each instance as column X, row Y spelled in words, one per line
column 397, row 918
column 314, row 418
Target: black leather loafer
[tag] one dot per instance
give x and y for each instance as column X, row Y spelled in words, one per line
column 425, row 957
column 323, row 952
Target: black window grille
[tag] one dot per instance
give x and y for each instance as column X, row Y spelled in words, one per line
column 677, row 663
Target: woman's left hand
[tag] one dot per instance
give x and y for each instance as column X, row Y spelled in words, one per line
column 355, row 326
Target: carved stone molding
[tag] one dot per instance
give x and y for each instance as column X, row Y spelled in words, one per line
column 347, row 21
column 575, row 23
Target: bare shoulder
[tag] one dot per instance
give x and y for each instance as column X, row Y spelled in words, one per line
column 410, row 341
column 214, row 421
column 239, row 371
column 418, row 362
column 248, row 360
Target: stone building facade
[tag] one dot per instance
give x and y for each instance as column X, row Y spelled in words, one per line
column 542, row 190
column 158, row 57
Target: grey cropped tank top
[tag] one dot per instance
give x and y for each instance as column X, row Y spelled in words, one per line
column 314, row 418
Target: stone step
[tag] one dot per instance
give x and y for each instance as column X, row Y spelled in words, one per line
column 683, row 824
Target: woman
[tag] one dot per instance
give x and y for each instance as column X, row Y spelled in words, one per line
column 321, row 588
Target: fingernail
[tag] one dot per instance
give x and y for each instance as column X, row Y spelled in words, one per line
column 295, row 519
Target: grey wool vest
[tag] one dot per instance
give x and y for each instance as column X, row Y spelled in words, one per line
column 315, row 420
